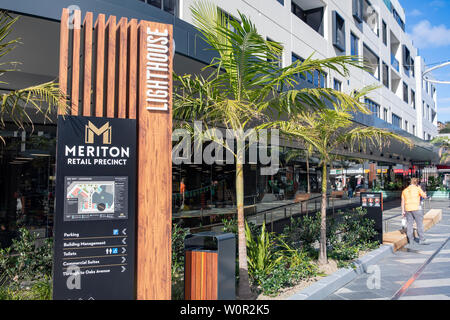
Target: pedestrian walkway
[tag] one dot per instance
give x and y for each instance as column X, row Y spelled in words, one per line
column 408, row 274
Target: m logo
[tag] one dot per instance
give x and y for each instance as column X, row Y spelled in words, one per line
column 92, row 130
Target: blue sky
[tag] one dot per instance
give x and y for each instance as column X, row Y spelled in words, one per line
column 428, row 24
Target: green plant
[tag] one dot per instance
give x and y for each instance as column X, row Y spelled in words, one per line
column 41, row 98
column 178, row 236
column 332, row 129
column 261, row 256
column 291, row 266
column 356, row 228
column 36, row 290
column 24, row 260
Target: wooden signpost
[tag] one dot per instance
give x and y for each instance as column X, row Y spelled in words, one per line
column 120, row 68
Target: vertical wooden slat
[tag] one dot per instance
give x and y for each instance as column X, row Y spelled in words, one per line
column 209, row 276
column 132, row 68
column 214, row 272
column 155, row 165
column 63, row 53
column 198, row 275
column 187, row 274
column 122, row 85
column 75, row 97
column 87, row 26
column 100, row 65
column 203, row 278
column 111, row 71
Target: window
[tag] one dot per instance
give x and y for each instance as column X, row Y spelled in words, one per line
column 320, row 79
column 338, row 31
column 384, row 32
column 385, row 75
column 396, row 120
column 371, row 62
column 398, row 19
column 385, row 115
column 354, row 44
column 413, row 99
column 337, row 85
column 371, row 17
column 312, row 17
column 296, row 58
column 406, row 126
column 230, row 18
column 406, row 60
column 414, row 130
column 358, row 10
column 280, row 58
column 428, row 112
column 429, row 137
column 373, row 107
column 170, row 6
column 405, row 93
column 413, row 73
column 281, row 1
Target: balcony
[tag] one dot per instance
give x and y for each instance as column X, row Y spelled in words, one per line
column 394, row 63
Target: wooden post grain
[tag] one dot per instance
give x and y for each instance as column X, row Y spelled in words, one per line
column 155, row 183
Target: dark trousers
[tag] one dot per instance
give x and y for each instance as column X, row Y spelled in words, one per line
column 412, row 216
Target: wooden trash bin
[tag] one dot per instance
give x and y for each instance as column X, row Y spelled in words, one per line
column 209, row 266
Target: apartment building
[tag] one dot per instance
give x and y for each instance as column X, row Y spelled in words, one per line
column 373, row 29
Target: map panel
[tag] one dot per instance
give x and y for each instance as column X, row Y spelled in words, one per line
column 96, row 198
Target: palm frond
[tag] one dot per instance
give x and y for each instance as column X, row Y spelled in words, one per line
column 44, row 98
column 364, row 137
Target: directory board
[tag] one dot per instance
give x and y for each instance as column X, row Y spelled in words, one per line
column 94, row 235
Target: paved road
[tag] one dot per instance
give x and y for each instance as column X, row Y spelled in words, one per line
column 422, row 274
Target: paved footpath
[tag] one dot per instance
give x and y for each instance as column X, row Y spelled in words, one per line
column 422, row 274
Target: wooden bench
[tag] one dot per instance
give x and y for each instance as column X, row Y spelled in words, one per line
column 398, row 239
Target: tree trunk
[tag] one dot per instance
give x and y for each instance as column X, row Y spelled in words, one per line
column 244, row 283
column 323, row 219
column 307, row 173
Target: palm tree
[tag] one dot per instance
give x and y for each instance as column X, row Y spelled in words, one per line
column 246, row 85
column 443, row 142
column 15, row 105
column 327, row 133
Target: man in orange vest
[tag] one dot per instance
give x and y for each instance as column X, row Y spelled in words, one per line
column 411, row 209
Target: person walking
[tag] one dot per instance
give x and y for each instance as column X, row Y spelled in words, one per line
column 411, row 209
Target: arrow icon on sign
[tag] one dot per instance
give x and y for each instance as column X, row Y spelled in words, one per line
column 124, row 231
column 124, row 250
column 123, row 269
column 124, row 240
column 124, row 259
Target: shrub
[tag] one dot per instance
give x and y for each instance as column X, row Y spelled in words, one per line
column 24, row 260
column 292, row 266
column 178, row 236
column 260, row 253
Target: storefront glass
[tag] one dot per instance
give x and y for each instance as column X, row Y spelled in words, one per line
column 27, row 181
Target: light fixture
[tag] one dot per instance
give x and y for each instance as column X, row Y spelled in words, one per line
column 40, row 154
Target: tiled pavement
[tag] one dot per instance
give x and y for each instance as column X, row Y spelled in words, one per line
column 395, row 270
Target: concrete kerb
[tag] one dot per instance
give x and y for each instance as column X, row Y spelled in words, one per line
column 326, row 286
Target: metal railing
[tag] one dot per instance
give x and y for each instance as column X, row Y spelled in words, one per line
column 289, row 210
